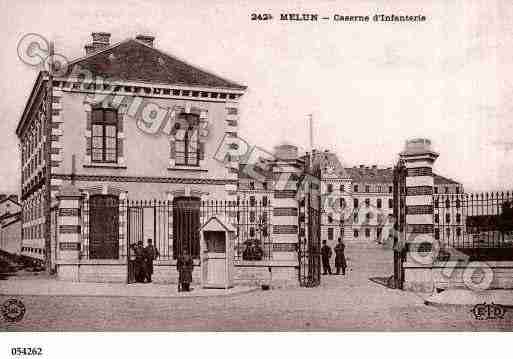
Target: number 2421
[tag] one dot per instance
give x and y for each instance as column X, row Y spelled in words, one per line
column 257, row 17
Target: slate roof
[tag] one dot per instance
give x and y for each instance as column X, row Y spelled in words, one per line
column 385, row 175
column 370, row 175
column 132, row 60
column 325, row 159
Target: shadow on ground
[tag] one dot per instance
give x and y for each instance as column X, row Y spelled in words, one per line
column 387, row 282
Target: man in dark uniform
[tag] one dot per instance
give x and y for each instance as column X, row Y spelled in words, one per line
column 340, row 258
column 184, row 265
column 150, row 254
column 326, row 255
column 140, row 270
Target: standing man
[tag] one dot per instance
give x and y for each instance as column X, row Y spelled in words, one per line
column 140, row 270
column 326, row 255
column 150, row 254
column 184, row 265
column 340, row 258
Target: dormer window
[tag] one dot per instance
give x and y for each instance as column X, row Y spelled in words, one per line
column 104, row 135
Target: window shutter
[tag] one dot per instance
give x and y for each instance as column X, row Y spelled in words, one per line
column 202, row 150
column 120, row 123
column 88, row 125
column 172, row 152
column 120, row 147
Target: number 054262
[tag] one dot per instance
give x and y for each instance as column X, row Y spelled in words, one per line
column 19, row 351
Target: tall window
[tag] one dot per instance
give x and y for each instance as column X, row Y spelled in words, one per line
column 104, row 135
column 187, row 143
column 355, row 203
column 355, row 188
column 330, row 188
column 103, row 227
column 367, row 188
column 330, row 234
column 186, row 224
column 378, row 203
column 390, row 203
column 342, row 203
column 367, row 232
column 341, row 188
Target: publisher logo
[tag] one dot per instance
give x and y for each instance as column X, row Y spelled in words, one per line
column 13, row 310
column 488, row 311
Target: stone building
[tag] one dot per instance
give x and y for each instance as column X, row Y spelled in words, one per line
column 125, row 122
column 358, row 201
column 132, row 143
column 10, row 227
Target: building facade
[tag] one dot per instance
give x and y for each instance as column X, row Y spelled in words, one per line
column 125, row 122
column 358, row 201
column 10, row 226
column 132, row 143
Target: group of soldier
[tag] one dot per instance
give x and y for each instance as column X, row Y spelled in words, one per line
column 340, row 258
column 143, row 261
column 143, row 258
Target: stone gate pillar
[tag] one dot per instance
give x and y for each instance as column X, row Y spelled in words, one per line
column 418, row 158
column 68, row 233
column 286, row 173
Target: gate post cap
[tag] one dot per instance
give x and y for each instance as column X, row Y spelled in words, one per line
column 418, row 146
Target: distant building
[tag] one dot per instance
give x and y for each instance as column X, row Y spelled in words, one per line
column 358, row 201
column 10, row 224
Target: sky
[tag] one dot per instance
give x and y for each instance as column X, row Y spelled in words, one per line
column 369, row 86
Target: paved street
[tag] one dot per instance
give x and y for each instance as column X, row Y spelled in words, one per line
column 353, row 302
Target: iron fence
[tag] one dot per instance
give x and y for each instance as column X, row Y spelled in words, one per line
column 174, row 226
column 477, row 224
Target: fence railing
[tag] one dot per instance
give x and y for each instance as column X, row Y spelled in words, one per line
column 165, row 223
column 478, row 224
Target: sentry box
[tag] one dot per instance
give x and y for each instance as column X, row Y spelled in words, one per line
column 216, row 244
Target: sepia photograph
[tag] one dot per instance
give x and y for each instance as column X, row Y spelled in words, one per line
column 271, row 166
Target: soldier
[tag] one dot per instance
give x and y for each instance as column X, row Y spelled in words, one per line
column 139, row 262
column 326, row 255
column 340, row 258
column 150, row 254
column 184, row 265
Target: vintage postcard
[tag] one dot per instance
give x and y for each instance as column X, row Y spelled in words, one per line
column 267, row 166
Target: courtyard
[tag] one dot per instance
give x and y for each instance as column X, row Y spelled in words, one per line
column 358, row 301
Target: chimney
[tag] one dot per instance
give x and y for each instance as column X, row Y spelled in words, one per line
column 147, row 39
column 374, row 167
column 362, row 166
column 101, row 40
